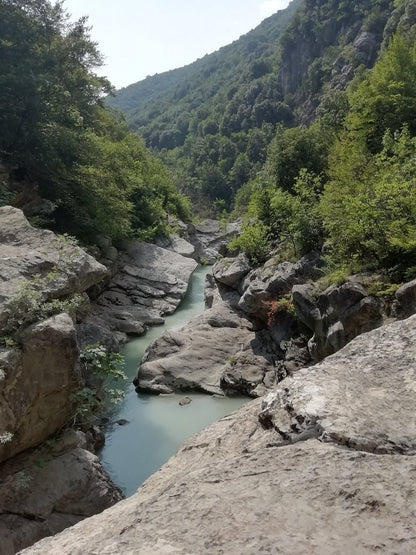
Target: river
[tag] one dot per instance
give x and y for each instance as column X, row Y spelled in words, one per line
column 157, row 425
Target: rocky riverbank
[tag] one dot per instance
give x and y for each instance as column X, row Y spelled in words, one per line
column 48, row 484
column 323, row 464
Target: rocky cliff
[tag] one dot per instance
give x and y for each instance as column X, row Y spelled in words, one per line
column 323, row 464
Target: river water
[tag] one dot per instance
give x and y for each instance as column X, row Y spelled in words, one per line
column 157, row 425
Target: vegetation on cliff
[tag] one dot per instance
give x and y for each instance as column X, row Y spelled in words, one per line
column 306, row 127
column 76, row 166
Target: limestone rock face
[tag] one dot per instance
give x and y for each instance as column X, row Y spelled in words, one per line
column 272, row 281
column 48, row 489
column 36, row 384
column 230, row 271
column 335, row 315
column 26, row 251
column 197, row 356
column 324, row 464
column 406, row 297
column 150, row 283
column 211, row 238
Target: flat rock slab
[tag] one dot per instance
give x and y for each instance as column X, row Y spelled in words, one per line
column 150, row 283
column 216, row 352
column 322, row 465
column 364, row 396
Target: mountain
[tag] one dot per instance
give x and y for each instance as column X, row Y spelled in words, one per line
column 212, row 121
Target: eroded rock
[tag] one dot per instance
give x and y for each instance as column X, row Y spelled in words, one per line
column 36, row 384
column 274, row 280
column 150, row 283
column 26, row 251
column 48, row 489
column 335, row 315
column 322, row 465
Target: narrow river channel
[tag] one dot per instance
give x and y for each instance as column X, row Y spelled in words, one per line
column 157, row 425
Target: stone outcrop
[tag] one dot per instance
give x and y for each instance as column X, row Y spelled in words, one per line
column 42, row 491
column 36, row 383
column 26, row 252
column 406, row 298
column 210, row 238
column 150, row 283
column 232, row 348
column 50, row 488
column 196, row 357
column 335, row 315
column 323, row 464
column 273, row 280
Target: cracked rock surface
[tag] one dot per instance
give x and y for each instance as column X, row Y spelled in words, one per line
column 150, row 283
column 323, row 465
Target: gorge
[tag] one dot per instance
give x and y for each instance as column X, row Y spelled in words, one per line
column 285, row 164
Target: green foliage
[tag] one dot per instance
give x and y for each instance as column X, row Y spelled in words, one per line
column 283, row 305
column 386, row 99
column 369, row 206
column 293, row 150
column 65, row 146
column 253, row 241
column 106, row 369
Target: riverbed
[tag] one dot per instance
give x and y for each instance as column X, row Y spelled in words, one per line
column 156, row 426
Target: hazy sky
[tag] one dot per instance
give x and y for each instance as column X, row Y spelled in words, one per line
column 140, row 38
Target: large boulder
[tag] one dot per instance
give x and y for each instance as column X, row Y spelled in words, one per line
column 211, row 237
column 36, row 384
column 196, row 357
column 150, row 283
column 274, row 280
column 335, row 315
column 406, row 298
column 26, row 252
column 324, row 464
column 230, row 271
column 48, row 489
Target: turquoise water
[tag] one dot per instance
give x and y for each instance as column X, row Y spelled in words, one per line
column 157, row 425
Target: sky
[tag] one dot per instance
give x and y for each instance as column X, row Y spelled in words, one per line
column 140, row 38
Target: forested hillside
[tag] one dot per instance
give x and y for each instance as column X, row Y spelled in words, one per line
column 305, row 125
column 66, row 159
column 212, row 121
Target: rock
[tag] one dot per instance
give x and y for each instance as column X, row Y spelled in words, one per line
column 335, row 315
column 46, row 490
column 36, row 384
column 196, row 357
column 274, row 280
column 210, row 238
column 323, row 462
column 150, row 283
column 406, row 297
column 26, row 252
column 185, row 401
column 230, row 271
column 179, row 245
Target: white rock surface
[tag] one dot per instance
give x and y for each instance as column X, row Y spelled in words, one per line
column 324, row 465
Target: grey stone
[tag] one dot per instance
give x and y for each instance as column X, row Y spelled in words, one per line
column 274, row 280
column 335, row 315
column 324, row 464
column 197, row 357
column 406, row 297
column 26, row 252
column 36, row 384
column 150, row 283
column 230, row 271
column 46, row 490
